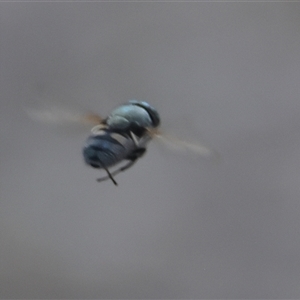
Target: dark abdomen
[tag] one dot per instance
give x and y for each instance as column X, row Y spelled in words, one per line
column 104, row 150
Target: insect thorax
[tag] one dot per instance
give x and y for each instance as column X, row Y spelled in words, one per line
column 133, row 115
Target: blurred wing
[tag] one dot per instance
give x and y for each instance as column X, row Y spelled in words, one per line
column 61, row 116
column 181, row 145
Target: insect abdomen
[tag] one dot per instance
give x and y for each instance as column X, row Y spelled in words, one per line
column 103, row 150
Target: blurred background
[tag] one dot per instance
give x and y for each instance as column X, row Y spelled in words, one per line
column 176, row 226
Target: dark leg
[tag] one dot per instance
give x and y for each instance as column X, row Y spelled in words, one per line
column 132, row 160
column 111, row 174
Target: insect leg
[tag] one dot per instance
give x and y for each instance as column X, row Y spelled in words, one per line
column 111, row 174
column 132, row 160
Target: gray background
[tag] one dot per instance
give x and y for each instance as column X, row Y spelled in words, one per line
column 176, row 227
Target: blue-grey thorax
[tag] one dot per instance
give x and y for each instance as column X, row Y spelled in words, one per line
column 137, row 113
column 107, row 148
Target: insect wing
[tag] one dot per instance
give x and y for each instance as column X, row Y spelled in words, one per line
column 175, row 143
column 62, row 116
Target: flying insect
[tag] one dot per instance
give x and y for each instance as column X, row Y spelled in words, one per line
column 122, row 136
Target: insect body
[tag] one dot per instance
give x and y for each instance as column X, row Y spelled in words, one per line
column 123, row 135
